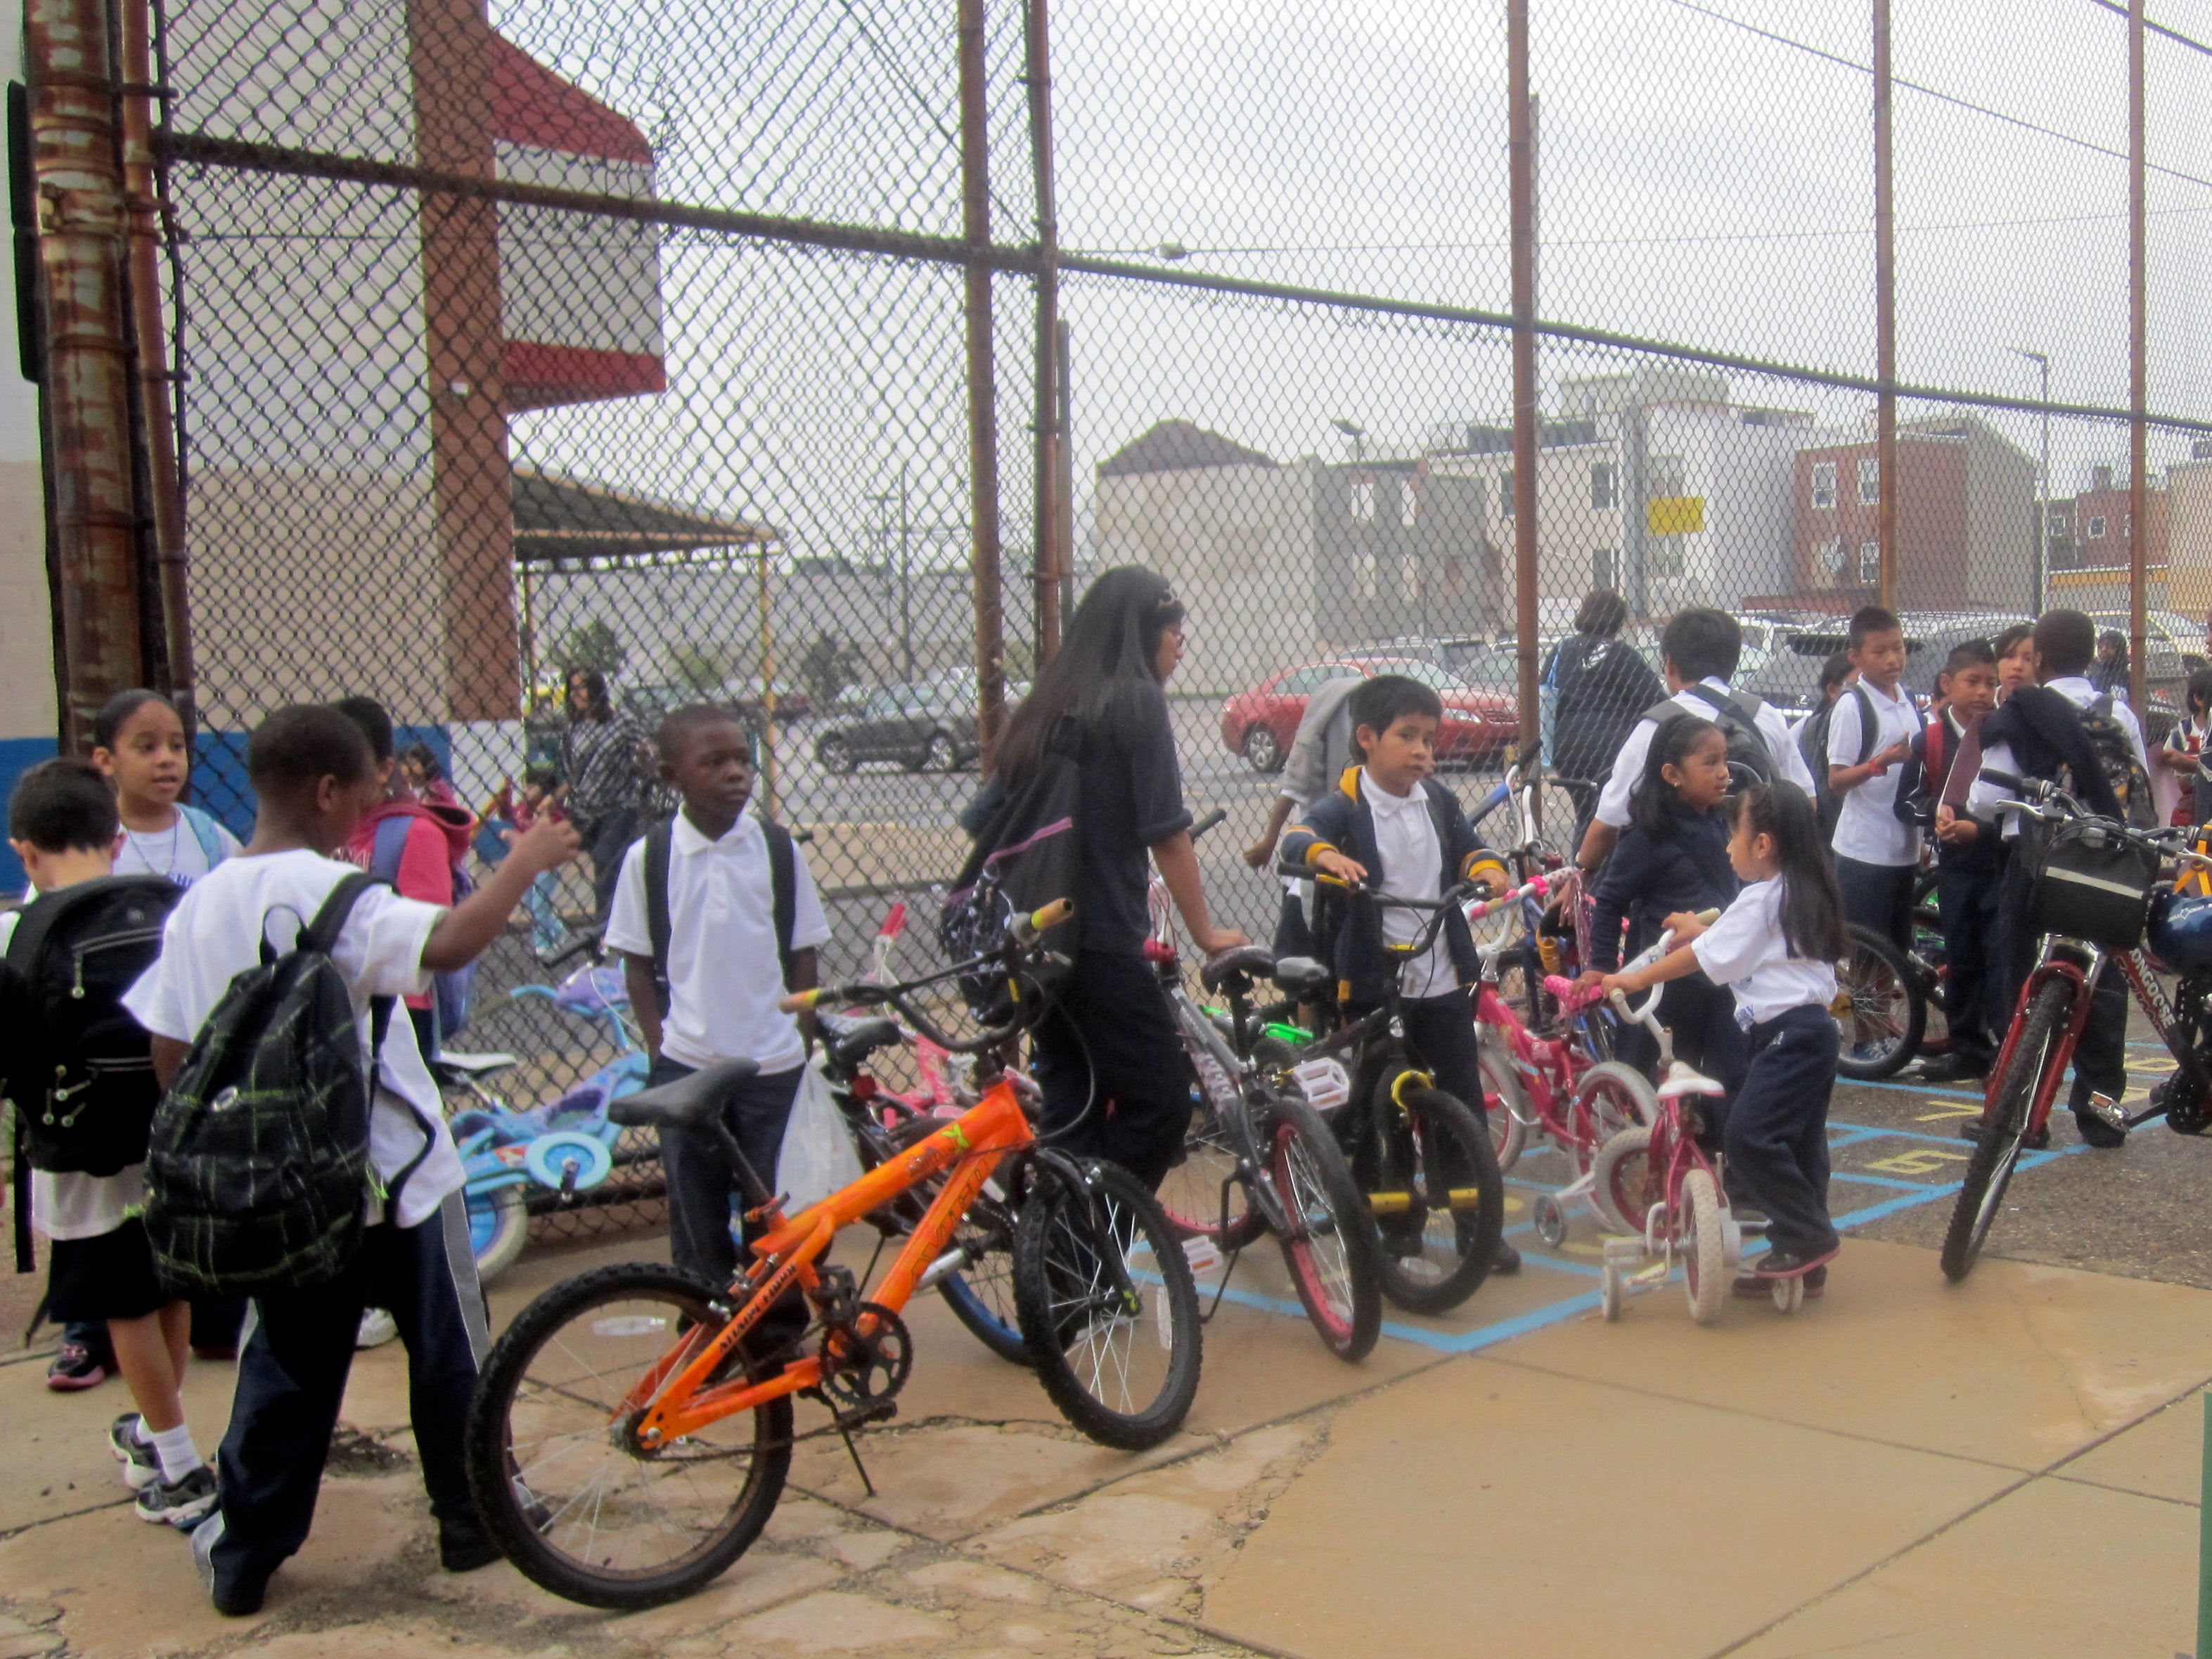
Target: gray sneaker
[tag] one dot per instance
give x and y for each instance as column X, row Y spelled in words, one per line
column 126, row 1439
column 181, row 1503
column 233, row 1600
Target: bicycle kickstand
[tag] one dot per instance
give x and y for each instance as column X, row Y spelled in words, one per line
column 1228, row 1268
column 853, row 1452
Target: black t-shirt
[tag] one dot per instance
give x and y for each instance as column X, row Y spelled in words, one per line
column 1131, row 798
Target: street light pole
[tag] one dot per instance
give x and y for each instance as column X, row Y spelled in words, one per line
column 2042, row 478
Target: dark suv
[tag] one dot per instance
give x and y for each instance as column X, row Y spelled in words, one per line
column 1790, row 679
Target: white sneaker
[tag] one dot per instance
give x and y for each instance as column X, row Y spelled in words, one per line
column 377, row 1329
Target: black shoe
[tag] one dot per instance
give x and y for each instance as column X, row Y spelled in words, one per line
column 1972, row 1130
column 2095, row 1132
column 1506, row 1259
column 1949, row 1068
column 1788, row 1264
column 1753, row 1288
column 463, row 1546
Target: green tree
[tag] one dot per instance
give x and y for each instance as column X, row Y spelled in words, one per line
column 593, row 645
column 827, row 667
column 701, row 665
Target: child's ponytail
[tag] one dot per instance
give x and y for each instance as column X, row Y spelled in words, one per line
column 1811, row 906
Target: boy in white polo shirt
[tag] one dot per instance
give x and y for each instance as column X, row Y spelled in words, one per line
column 1870, row 737
column 716, row 917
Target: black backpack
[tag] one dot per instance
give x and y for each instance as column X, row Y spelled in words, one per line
column 1737, row 716
column 2116, row 757
column 258, row 1171
column 1026, row 855
column 80, row 1068
column 783, row 880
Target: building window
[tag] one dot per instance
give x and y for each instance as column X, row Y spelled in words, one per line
column 1409, row 502
column 2057, row 520
column 1824, row 483
column 1362, row 500
column 1870, row 481
column 1409, row 579
column 1505, row 493
column 2127, row 526
column 2097, row 528
column 1662, row 478
column 1869, row 564
column 1602, row 492
column 1605, row 568
column 1362, row 573
column 1664, row 558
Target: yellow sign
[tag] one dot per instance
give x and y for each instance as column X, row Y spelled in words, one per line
column 1675, row 515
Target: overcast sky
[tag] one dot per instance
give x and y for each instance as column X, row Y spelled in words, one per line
column 1701, row 184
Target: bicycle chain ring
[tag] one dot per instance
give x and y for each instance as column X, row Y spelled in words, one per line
column 870, row 1368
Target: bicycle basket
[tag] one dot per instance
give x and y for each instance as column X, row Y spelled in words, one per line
column 2090, row 883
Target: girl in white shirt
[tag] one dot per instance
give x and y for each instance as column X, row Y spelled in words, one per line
column 1776, row 948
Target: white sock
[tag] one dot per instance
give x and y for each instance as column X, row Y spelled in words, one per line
column 179, row 1457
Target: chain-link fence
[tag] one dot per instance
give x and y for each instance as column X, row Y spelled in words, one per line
column 643, row 339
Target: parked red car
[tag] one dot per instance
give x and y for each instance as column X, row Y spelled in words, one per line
column 1259, row 723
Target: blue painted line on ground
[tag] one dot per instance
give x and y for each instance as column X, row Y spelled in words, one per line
column 1878, row 1181
column 1911, row 1089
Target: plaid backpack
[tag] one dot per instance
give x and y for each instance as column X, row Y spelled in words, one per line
column 258, row 1172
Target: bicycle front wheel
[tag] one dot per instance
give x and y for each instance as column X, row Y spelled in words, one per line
column 564, row 1486
column 1880, row 1009
column 981, row 1294
column 1332, row 1250
column 1108, row 1305
column 1432, row 1185
column 2005, row 1125
column 499, row 1227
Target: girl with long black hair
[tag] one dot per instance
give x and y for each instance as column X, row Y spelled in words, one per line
column 1776, row 947
column 1108, row 1057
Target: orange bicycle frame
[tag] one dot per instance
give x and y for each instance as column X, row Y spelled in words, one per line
column 674, row 1396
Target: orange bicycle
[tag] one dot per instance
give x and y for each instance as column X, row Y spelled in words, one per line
column 630, row 1438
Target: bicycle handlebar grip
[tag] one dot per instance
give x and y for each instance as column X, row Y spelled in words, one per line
column 1211, row 820
column 800, row 1001
column 1706, row 918
column 1029, row 929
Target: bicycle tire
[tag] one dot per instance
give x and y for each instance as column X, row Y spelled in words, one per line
column 1509, row 1102
column 1623, row 1185
column 1408, row 1160
column 1191, row 1193
column 514, row 1487
column 1615, row 1096
column 1336, row 1267
column 1996, row 1154
column 1881, row 1028
column 499, row 1228
column 1704, row 1259
column 1086, row 1330
column 982, row 1295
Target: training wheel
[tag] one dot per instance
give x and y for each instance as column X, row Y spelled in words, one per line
column 1550, row 1221
column 1608, row 1296
column 550, row 1156
column 1789, row 1295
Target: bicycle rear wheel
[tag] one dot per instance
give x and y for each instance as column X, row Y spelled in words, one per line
column 572, row 1498
column 1107, row 1302
column 2005, row 1127
column 1433, row 1184
column 1333, row 1261
column 499, row 1227
column 1880, row 1008
column 981, row 1294
column 1191, row 1195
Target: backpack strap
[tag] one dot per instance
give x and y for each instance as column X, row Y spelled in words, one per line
column 658, row 925
column 205, row 832
column 19, row 1187
column 783, row 890
column 389, row 848
column 1870, row 728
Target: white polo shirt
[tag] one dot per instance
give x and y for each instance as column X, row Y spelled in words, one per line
column 1745, row 950
column 1413, row 868
column 1869, row 830
column 725, row 977
column 1628, row 765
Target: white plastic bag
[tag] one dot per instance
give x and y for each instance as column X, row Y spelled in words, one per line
column 818, row 1156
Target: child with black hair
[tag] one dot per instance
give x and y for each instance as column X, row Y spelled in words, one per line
column 1969, row 859
column 1390, row 823
column 1776, row 948
column 62, row 823
column 1871, row 739
column 138, row 742
column 2183, row 753
column 1673, row 861
column 315, row 778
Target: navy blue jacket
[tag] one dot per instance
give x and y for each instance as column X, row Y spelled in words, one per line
column 1342, row 822
column 1650, row 878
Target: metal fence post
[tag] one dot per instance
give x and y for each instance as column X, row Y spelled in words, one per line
column 1522, row 161
column 1050, row 555
column 982, row 394
column 1885, row 317
column 2138, row 366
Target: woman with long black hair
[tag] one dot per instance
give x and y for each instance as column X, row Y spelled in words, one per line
column 1108, row 1057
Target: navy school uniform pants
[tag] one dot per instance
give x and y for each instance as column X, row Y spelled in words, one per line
column 1967, row 900
column 1110, row 1063
column 1441, row 1032
column 1880, row 896
column 292, row 1378
column 1701, row 1017
column 1777, row 1134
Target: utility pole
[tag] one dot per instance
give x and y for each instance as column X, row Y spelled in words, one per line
column 1521, row 159
column 1885, row 317
column 2138, row 368
column 1049, row 556
column 982, row 393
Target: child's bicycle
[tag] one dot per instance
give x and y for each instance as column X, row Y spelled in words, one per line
column 627, row 1443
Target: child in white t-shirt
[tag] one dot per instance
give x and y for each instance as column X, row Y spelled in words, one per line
column 1776, row 947
column 312, row 772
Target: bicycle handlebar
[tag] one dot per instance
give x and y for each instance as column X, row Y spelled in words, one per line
column 1211, row 820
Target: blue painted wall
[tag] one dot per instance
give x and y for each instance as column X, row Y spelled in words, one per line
column 219, row 784
column 17, row 756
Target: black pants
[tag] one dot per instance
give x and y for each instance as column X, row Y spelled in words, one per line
column 701, row 1183
column 606, row 839
column 1967, row 901
column 292, row 1378
column 2101, row 1058
column 1880, row 896
column 1293, row 933
column 1777, row 1135
column 1109, row 1060
column 1701, row 1017
column 1441, row 1032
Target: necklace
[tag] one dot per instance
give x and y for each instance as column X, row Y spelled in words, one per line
column 168, row 869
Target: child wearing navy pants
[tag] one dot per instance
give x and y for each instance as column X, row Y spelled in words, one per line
column 1775, row 948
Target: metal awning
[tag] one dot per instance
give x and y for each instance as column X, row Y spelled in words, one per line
column 561, row 521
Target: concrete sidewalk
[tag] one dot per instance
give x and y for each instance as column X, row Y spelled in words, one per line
column 2009, row 1468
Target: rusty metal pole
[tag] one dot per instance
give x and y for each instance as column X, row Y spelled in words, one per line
column 154, row 422
column 1520, row 157
column 982, row 391
column 1050, row 555
column 1885, row 317
column 82, row 230
column 2138, row 367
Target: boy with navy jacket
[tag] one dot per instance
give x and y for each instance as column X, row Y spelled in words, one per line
column 1391, row 825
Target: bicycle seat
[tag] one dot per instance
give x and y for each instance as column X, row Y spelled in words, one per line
column 1301, row 976
column 685, row 1103
column 452, row 1064
column 851, row 1042
column 1683, row 1079
column 1251, row 960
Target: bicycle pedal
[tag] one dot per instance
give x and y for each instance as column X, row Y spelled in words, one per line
column 875, row 1411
